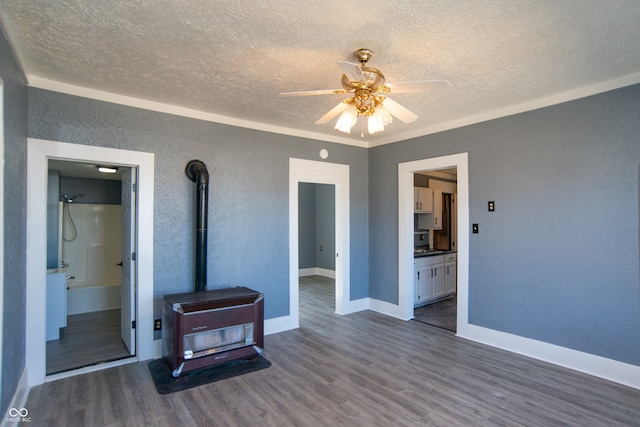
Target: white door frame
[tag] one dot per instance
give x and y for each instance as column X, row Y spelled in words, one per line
column 38, row 153
column 405, row 233
column 320, row 173
column 128, row 263
column 1, row 225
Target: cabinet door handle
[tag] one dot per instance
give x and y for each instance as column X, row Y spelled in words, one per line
column 447, row 269
column 432, row 272
column 418, row 275
column 420, row 205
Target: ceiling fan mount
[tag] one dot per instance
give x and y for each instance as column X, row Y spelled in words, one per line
column 363, row 55
column 370, row 78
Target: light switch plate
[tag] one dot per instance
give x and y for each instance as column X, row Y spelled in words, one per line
column 475, row 228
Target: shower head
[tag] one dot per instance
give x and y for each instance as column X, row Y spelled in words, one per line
column 67, row 199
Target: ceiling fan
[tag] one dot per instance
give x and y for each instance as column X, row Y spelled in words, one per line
column 370, row 96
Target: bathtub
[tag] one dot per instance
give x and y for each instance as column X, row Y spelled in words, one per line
column 88, row 298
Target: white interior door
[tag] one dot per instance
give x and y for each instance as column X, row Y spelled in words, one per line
column 127, row 293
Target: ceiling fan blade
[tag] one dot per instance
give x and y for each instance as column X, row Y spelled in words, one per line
column 351, row 70
column 399, row 111
column 313, row 92
column 419, row 86
column 332, row 113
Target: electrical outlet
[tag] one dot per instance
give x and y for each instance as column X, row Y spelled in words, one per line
column 492, row 206
column 157, row 325
column 475, row 229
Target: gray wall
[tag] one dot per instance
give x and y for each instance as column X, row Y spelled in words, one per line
column 306, row 225
column 558, row 261
column 316, row 225
column 326, row 226
column 248, row 193
column 14, row 233
column 96, row 191
column 53, row 218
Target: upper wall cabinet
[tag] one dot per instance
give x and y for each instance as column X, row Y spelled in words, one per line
column 422, row 200
column 437, row 209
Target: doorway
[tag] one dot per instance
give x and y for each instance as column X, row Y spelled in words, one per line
column 316, row 237
column 1, row 222
column 91, row 218
column 406, row 233
column 435, row 243
column 308, row 171
column 38, row 154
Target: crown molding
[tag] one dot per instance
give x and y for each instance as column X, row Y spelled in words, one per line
column 84, row 92
column 536, row 104
column 571, row 95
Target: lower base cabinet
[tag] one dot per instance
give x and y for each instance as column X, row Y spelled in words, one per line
column 450, row 274
column 434, row 278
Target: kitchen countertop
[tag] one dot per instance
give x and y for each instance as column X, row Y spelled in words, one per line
column 423, row 254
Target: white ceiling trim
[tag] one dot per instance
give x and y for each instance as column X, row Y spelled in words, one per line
column 548, row 101
column 43, row 83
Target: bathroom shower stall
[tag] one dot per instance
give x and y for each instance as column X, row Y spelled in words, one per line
column 85, row 240
column 90, row 253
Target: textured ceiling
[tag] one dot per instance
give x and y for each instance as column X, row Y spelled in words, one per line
column 229, row 59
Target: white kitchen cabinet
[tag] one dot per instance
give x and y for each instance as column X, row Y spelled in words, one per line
column 429, row 279
column 437, row 281
column 422, row 200
column 437, row 209
column 422, row 285
column 450, row 274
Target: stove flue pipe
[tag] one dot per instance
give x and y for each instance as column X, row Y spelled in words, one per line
column 197, row 172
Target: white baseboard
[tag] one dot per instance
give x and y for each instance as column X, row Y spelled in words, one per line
column 19, row 401
column 278, row 324
column 611, row 370
column 357, row 305
column 386, row 308
column 608, row 369
column 316, row 271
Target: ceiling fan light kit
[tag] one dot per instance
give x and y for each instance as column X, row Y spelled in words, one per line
column 370, row 100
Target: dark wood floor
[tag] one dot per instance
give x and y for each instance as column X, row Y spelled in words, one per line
column 442, row 314
column 363, row 369
column 89, row 338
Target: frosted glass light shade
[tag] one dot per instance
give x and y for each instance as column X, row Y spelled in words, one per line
column 347, row 119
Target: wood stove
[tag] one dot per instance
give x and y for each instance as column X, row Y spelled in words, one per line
column 209, row 328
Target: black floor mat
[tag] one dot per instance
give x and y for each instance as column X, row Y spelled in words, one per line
column 166, row 383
